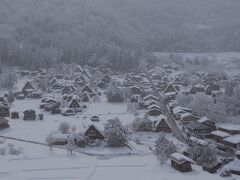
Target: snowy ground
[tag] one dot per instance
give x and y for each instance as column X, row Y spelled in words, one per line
column 38, row 163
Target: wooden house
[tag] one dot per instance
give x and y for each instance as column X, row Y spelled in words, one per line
column 59, row 139
column 14, row 115
column 68, row 89
column 232, row 141
column 88, row 90
column 57, row 86
column 207, row 122
column 218, row 136
column 95, row 118
column 210, row 167
column 150, row 97
column 106, row 78
column 196, row 129
column 27, row 88
column 101, row 84
column 170, row 90
column 199, row 88
column 29, row 115
column 188, row 117
column 181, row 163
column 154, row 112
column 3, row 123
column 136, row 90
column 229, row 128
column 93, row 133
column 4, row 110
column 162, row 125
column 74, row 104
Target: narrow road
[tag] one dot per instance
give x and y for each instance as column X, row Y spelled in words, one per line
column 171, row 120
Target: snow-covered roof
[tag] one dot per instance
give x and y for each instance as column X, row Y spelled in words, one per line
column 162, row 118
column 170, row 94
column 229, row 126
column 153, row 106
column 179, row 109
column 150, row 97
column 235, row 139
column 202, row 120
column 60, row 137
column 199, row 141
column 234, row 165
column 185, row 115
column 220, row 134
column 180, row 158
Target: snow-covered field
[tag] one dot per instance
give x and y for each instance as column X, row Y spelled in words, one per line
column 37, row 162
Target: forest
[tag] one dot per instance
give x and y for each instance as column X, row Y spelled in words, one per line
column 110, row 33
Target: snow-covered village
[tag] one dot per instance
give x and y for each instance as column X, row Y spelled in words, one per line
column 86, row 95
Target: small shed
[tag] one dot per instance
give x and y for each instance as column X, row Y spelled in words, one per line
column 181, row 163
column 29, row 115
column 14, row 115
column 210, row 167
column 3, row 123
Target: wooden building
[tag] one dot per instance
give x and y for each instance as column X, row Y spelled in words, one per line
column 4, row 110
column 188, row 117
column 162, row 125
column 181, row 163
column 29, row 115
column 229, row 128
column 27, row 88
column 232, row 141
column 154, row 112
column 218, row 136
column 14, row 115
column 3, row 123
column 197, row 130
column 93, row 133
column 210, row 167
column 95, row 118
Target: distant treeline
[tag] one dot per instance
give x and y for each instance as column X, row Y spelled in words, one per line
column 113, row 33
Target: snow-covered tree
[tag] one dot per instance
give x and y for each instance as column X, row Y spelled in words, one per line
column 208, row 155
column 115, row 134
column 164, row 148
column 8, row 79
column 132, row 108
column 143, row 124
column 64, row 127
column 114, row 95
column 50, row 140
column 71, row 143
